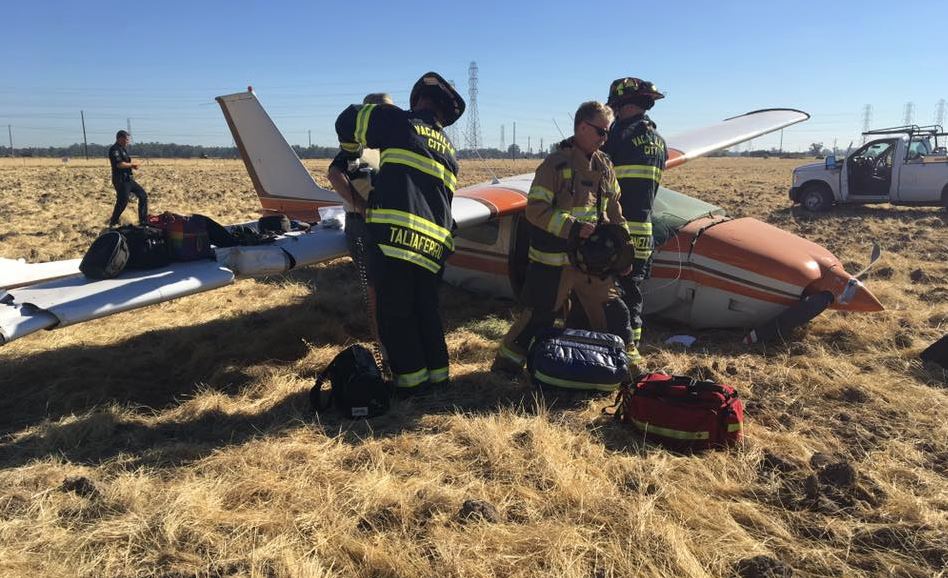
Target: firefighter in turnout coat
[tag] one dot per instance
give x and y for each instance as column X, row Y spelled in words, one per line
column 638, row 153
column 572, row 188
column 409, row 220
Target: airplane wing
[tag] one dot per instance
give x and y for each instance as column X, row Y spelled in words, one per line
column 480, row 203
column 17, row 273
column 76, row 299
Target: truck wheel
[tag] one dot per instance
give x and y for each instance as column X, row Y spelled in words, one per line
column 816, row 198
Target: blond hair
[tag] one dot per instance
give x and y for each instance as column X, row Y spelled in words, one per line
column 589, row 110
column 378, row 98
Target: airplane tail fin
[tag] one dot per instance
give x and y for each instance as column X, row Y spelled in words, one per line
column 280, row 179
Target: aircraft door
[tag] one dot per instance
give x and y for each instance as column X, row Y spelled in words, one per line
column 519, row 246
column 918, row 180
column 869, row 170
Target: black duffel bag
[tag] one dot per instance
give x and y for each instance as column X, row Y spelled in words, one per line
column 147, row 248
column 578, row 360
column 106, row 256
column 357, row 387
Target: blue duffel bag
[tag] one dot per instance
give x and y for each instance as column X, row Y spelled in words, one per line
column 578, row 360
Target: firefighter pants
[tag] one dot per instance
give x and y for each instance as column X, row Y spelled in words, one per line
column 410, row 323
column 545, row 294
column 124, row 188
column 632, row 295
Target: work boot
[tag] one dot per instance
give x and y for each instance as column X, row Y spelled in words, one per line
column 506, row 368
column 636, row 362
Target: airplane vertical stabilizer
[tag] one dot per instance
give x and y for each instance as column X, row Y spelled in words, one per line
column 274, row 167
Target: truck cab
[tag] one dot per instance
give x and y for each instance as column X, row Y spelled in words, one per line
column 901, row 166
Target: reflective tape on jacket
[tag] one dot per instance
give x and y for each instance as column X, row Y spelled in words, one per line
column 671, row 433
column 438, row 375
column 574, row 384
column 413, row 379
column 733, row 427
column 350, row 147
column 511, row 354
column 584, row 213
column 639, row 172
column 640, row 228
column 540, row 193
column 362, row 122
column 413, row 222
column 411, row 257
column 552, row 259
column 422, row 163
column 557, row 222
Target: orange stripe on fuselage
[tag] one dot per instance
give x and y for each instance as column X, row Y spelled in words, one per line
column 675, row 158
column 476, row 263
column 687, row 274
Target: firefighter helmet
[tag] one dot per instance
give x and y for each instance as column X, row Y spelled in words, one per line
column 606, row 252
column 449, row 102
column 625, row 90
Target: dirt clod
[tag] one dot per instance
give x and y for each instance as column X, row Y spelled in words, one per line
column 81, row 485
column 473, row 510
column 762, row 567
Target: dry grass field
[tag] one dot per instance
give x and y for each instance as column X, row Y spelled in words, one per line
column 176, row 440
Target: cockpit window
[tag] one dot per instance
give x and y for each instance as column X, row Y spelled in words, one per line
column 672, row 211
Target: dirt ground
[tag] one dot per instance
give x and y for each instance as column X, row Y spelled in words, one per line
column 176, row 440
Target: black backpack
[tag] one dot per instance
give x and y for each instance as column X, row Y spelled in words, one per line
column 106, row 257
column 147, row 248
column 358, row 389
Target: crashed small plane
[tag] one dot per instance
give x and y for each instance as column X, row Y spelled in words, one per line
column 709, row 270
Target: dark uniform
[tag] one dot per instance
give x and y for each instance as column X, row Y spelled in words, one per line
column 125, row 184
column 638, row 153
column 569, row 189
column 409, row 220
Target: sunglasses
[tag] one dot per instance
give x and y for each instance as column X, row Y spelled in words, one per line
column 602, row 132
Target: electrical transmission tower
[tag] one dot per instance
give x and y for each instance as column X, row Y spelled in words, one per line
column 909, row 116
column 473, row 122
column 940, row 113
column 866, row 120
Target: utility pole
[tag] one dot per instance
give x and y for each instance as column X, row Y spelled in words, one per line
column 128, row 129
column 502, row 143
column 541, row 146
column 513, row 151
column 940, row 113
column 866, row 121
column 529, row 145
column 85, row 142
column 909, row 113
column 309, row 134
column 10, row 132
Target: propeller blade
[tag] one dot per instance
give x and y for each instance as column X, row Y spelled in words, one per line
column 873, row 257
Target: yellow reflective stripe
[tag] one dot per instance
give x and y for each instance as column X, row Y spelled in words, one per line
column 350, row 147
column 642, row 254
column 421, row 163
column 553, row 259
column 574, row 384
column 640, row 228
column 733, row 427
column 584, row 212
column 567, row 173
column 638, row 172
column 637, row 334
column 615, row 185
column 411, row 257
column 362, row 122
column 438, row 375
column 539, row 193
column 411, row 379
column 672, row 433
column 413, row 222
column 634, row 355
column 557, row 222
column 511, row 354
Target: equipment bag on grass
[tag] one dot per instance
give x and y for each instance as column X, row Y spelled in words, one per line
column 681, row 412
column 357, row 388
column 147, row 248
column 579, row 360
column 106, row 257
column 187, row 237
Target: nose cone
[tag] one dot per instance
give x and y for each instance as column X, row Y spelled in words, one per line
column 848, row 292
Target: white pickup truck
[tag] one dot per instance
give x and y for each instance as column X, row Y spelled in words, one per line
column 904, row 166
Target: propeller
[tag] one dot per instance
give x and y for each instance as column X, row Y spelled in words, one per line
column 873, row 257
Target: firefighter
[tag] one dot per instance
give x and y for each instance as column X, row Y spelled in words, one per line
column 638, row 153
column 408, row 216
column 574, row 189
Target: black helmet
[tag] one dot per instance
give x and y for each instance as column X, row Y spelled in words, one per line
column 449, row 101
column 633, row 90
column 606, row 252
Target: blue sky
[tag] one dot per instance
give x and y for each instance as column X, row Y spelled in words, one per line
column 161, row 64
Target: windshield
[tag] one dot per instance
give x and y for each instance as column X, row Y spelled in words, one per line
column 672, row 210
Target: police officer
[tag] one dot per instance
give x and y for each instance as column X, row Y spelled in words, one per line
column 409, row 219
column 123, row 181
column 574, row 188
column 353, row 179
column 638, row 153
